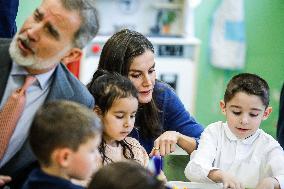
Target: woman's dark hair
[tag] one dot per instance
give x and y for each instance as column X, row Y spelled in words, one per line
column 125, row 175
column 117, row 56
column 106, row 88
column 250, row 84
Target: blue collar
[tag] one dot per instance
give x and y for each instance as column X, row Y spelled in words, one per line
column 42, row 79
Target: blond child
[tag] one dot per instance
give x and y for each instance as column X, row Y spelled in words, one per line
column 237, row 153
column 64, row 137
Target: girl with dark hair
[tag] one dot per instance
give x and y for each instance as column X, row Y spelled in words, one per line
column 116, row 105
column 161, row 120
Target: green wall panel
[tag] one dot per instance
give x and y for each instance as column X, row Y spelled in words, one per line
column 265, row 54
column 26, row 7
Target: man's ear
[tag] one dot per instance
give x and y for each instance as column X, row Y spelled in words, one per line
column 223, row 106
column 266, row 113
column 62, row 156
column 74, row 55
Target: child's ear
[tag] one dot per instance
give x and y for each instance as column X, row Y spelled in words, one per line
column 266, row 113
column 98, row 111
column 223, row 106
column 62, row 156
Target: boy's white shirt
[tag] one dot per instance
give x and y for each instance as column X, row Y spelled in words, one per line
column 249, row 160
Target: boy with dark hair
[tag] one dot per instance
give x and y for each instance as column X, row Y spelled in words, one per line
column 112, row 175
column 64, row 137
column 237, row 153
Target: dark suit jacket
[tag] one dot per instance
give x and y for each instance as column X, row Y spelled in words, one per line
column 64, row 86
column 8, row 13
column 280, row 124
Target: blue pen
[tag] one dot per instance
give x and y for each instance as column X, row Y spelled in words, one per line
column 158, row 164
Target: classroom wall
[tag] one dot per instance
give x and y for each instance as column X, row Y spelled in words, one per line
column 265, row 54
column 26, row 7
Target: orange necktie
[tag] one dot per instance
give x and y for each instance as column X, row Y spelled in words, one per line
column 11, row 112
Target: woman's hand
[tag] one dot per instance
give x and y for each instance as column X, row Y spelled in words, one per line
column 165, row 143
column 4, row 179
column 268, row 183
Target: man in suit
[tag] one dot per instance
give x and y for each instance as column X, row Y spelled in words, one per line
column 280, row 124
column 54, row 34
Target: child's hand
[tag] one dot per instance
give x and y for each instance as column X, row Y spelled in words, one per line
column 229, row 182
column 268, row 183
column 4, row 179
column 162, row 177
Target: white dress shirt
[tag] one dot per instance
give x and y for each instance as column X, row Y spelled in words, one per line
column 250, row 160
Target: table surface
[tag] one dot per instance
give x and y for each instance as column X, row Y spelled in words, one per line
column 193, row 185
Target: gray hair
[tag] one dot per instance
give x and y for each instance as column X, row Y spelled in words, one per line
column 89, row 20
